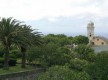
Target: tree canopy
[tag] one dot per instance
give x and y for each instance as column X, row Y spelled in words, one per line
column 13, row 32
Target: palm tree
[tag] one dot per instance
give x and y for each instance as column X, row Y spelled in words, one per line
column 12, row 32
column 8, row 29
column 26, row 38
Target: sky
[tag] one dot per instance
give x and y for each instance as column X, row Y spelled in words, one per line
column 68, row 17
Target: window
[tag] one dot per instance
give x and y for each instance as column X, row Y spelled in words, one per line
column 92, row 43
column 102, row 43
column 97, row 39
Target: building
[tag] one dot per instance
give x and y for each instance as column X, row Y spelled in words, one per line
column 95, row 40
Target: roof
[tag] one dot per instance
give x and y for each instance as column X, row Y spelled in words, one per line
column 91, row 23
column 103, row 38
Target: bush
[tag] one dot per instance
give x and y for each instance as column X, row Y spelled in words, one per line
column 12, row 62
column 63, row 73
column 78, row 64
column 60, row 57
column 1, row 51
column 1, row 60
column 85, row 52
column 1, row 65
column 1, row 54
column 12, row 56
column 15, row 54
column 99, row 69
column 80, row 39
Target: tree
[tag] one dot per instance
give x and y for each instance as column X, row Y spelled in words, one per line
column 78, row 64
column 26, row 38
column 84, row 52
column 63, row 73
column 99, row 69
column 34, row 54
column 80, row 40
column 12, row 32
column 48, row 55
column 59, row 39
column 8, row 29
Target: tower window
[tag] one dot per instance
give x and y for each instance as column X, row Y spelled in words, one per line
column 92, row 43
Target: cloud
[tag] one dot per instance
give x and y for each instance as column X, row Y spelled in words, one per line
column 58, row 16
column 51, row 9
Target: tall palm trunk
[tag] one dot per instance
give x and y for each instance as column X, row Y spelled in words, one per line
column 6, row 57
column 23, row 51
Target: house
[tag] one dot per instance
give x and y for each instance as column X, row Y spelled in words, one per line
column 98, row 40
column 95, row 40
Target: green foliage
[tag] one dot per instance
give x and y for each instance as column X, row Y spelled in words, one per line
column 63, row 73
column 15, row 53
column 12, row 56
column 59, row 39
column 1, row 50
column 1, row 62
column 61, row 35
column 99, row 69
column 60, row 57
column 63, row 50
column 77, row 64
column 84, row 52
column 1, row 53
column 49, row 55
column 8, row 31
column 12, row 62
column 12, row 32
column 35, row 54
column 42, row 54
column 80, row 40
column 1, row 47
column 52, row 52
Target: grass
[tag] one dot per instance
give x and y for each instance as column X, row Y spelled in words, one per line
column 16, row 68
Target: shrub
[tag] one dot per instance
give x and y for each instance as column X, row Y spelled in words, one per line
column 63, row 73
column 78, row 64
column 1, row 65
column 99, row 69
column 12, row 56
column 1, row 54
column 12, row 62
column 1, row 62
column 15, row 54
column 85, row 52
column 1, row 50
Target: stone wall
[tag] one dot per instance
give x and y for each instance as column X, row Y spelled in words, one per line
column 26, row 75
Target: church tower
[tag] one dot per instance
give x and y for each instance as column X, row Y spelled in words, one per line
column 90, row 31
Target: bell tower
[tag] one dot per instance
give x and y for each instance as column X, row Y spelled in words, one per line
column 90, row 31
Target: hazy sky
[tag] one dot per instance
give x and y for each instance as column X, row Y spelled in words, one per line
column 58, row 16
